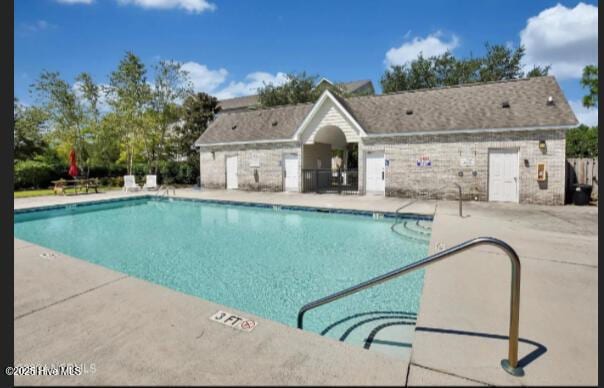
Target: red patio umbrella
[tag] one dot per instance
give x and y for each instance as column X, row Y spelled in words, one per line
column 73, row 166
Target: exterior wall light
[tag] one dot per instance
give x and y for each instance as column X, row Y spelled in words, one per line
column 542, row 146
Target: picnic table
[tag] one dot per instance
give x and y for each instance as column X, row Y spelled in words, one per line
column 77, row 184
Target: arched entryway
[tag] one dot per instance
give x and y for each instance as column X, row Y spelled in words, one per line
column 330, row 162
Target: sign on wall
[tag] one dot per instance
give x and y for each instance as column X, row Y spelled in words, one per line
column 467, row 162
column 424, row 161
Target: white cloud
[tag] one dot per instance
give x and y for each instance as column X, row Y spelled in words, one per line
column 565, row 38
column 587, row 116
column 431, row 45
column 37, row 26
column 251, row 84
column 75, row 1
column 193, row 6
column 214, row 81
column 204, row 79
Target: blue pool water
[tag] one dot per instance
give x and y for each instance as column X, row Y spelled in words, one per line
column 258, row 260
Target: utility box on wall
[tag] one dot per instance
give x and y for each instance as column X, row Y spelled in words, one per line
column 541, row 172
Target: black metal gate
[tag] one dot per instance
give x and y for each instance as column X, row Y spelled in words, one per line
column 330, row 181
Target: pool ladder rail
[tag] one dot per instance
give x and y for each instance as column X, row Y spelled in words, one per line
column 397, row 220
column 164, row 191
column 510, row 364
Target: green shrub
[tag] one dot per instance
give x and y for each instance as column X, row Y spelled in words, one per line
column 33, row 174
column 177, row 173
column 582, row 142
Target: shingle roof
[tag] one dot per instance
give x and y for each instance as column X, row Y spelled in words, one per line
column 469, row 106
column 256, row 125
column 353, row 86
column 237, row 103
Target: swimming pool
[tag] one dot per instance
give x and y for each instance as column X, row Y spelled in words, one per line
column 268, row 261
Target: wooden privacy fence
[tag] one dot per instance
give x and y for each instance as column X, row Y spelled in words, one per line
column 582, row 171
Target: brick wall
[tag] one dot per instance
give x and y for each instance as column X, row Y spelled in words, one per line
column 405, row 179
column 268, row 176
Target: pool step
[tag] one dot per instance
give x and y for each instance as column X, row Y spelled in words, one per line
column 415, row 228
column 387, row 332
column 404, row 229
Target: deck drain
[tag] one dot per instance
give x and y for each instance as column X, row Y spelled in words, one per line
column 440, row 246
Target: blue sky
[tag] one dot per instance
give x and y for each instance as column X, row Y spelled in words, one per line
column 231, row 46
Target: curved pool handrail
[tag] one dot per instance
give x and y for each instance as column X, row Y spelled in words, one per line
column 398, row 215
column 510, row 364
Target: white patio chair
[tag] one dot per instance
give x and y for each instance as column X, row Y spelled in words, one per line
column 130, row 183
column 151, row 183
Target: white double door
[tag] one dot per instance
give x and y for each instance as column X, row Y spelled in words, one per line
column 503, row 175
column 375, row 172
column 231, row 172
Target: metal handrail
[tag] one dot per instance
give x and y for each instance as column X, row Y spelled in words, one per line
column 510, row 364
column 167, row 189
column 398, row 215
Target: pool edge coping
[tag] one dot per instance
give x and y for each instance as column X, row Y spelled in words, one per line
column 281, row 206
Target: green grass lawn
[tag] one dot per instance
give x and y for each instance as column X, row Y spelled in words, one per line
column 42, row 192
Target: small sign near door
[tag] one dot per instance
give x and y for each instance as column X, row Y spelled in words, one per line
column 467, row 162
column 235, row 321
column 424, row 161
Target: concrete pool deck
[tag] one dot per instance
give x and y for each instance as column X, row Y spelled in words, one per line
column 138, row 333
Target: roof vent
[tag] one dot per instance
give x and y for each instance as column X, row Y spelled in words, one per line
column 274, row 123
column 550, row 100
column 505, row 104
column 234, row 127
column 409, row 111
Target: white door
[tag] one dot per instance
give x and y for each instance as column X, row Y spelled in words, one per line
column 291, row 172
column 503, row 175
column 231, row 172
column 375, row 175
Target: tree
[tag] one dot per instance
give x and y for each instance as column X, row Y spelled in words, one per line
column 30, row 124
column 538, row 71
column 171, row 86
column 395, row 79
column 590, row 81
column 445, row 69
column 129, row 95
column 422, row 73
column 467, row 71
column 499, row 63
column 198, row 111
column 297, row 89
column 65, row 114
column 90, row 94
column 582, row 142
column 107, row 142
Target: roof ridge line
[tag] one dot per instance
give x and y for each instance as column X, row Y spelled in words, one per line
column 261, row 109
column 467, row 84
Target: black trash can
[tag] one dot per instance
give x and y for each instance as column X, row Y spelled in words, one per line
column 581, row 194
